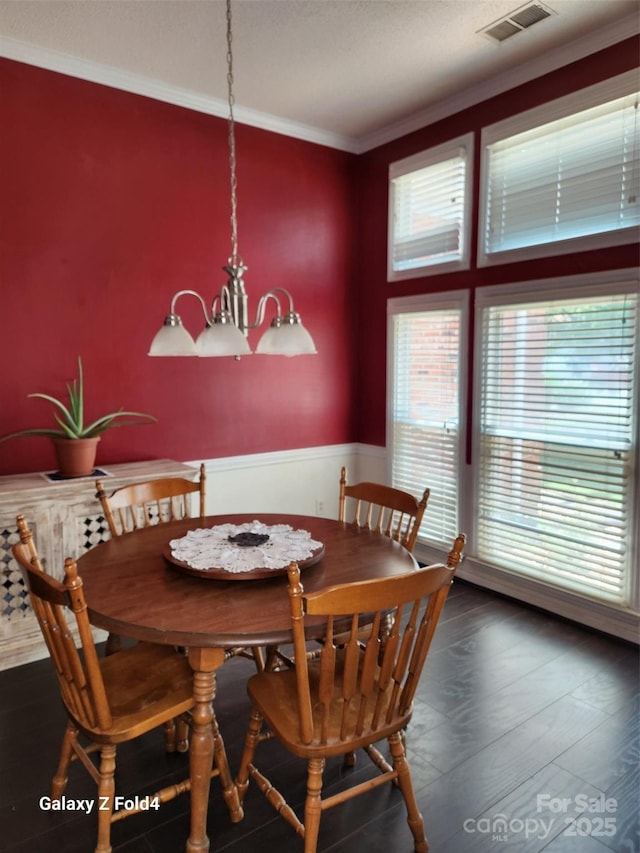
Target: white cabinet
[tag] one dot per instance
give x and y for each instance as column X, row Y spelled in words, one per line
column 66, row 520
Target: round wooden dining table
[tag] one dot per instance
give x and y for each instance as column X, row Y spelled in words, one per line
column 133, row 589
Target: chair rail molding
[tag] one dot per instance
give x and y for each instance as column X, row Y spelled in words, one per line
column 304, row 481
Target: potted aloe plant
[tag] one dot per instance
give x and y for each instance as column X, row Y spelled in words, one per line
column 76, row 443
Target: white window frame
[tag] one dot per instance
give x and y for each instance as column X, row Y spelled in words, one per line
column 619, row 620
column 430, row 157
column 543, row 291
column 453, row 300
column 601, row 93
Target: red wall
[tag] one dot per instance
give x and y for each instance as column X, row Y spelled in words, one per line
column 110, row 203
column 372, row 176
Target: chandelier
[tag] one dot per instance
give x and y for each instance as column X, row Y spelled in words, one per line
column 227, row 323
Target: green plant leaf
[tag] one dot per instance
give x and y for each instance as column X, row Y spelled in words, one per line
column 107, row 422
column 67, row 431
column 76, row 396
column 70, row 418
column 49, row 433
column 65, row 412
column 73, row 403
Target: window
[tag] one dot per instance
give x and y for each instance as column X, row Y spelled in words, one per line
column 425, row 382
column 554, row 447
column 550, row 494
column 429, row 211
column 562, row 174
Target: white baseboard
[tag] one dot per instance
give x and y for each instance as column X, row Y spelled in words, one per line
column 619, row 622
column 610, row 619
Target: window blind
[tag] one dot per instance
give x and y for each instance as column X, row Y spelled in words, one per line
column 428, row 209
column 558, row 403
column 424, row 414
column 568, row 178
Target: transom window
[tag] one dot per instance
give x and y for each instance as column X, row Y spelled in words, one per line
column 429, row 210
column 562, row 177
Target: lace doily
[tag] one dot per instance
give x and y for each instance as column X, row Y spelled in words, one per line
column 208, row 548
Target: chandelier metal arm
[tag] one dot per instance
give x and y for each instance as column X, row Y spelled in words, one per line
column 222, row 301
column 176, row 296
column 262, row 308
column 262, row 304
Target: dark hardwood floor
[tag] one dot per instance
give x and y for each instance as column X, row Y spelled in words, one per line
column 524, row 724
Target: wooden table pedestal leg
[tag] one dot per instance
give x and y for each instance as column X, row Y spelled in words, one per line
column 204, row 733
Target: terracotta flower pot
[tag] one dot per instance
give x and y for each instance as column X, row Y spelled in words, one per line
column 76, row 456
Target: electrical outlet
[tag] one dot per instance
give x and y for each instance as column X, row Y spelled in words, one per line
column 319, row 507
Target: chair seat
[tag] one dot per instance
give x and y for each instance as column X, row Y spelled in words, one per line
column 276, row 694
column 146, row 684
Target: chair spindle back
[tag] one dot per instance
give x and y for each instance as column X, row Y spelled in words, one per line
column 81, row 684
column 152, row 502
column 365, row 686
column 383, row 509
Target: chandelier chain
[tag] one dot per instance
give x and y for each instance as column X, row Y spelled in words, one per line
column 234, row 259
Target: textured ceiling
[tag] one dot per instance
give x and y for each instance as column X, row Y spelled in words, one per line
column 346, row 67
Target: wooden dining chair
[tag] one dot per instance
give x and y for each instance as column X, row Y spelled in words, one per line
column 152, row 502
column 385, row 510
column 382, row 508
column 144, row 504
column 350, row 697
column 176, row 732
column 110, row 700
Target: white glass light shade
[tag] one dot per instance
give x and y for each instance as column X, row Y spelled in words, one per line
column 172, row 339
column 221, row 339
column 288, row 339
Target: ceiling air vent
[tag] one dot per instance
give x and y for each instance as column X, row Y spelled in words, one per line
column 517, row 21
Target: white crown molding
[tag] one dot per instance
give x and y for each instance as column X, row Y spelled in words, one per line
column 136, row 84
column 516, row 76
column 275, row 124
column 105, row 75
